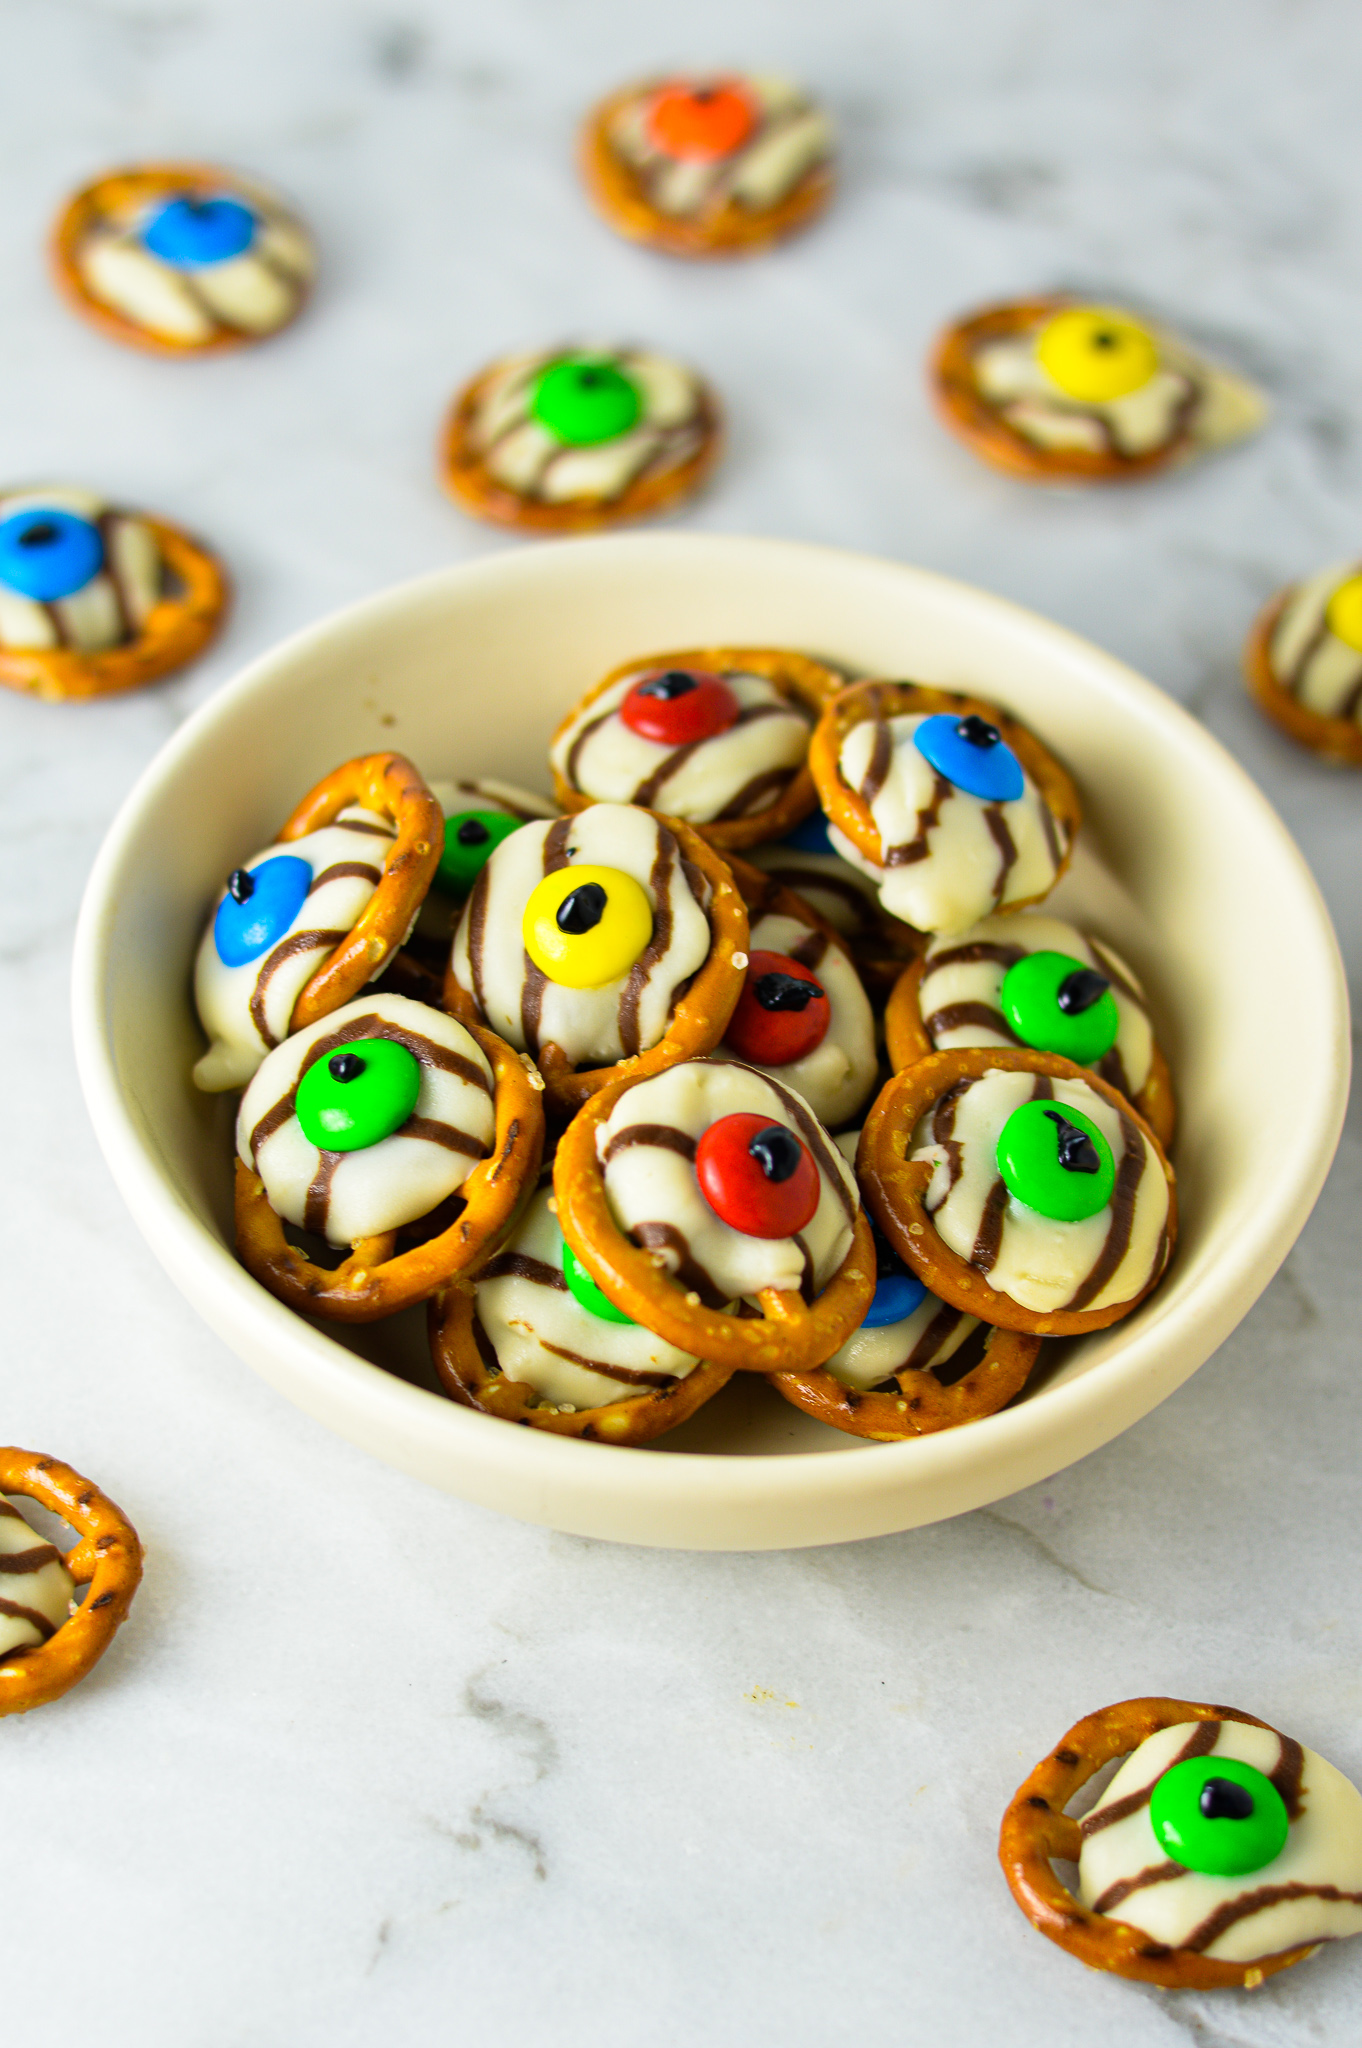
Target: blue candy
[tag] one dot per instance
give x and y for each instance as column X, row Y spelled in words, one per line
column 810, row 835
column 192, row 233
column 46, row 553
column 259, row 907
column 972, row 754
column 895, row 1298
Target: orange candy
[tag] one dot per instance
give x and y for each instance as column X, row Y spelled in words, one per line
column 700, row 121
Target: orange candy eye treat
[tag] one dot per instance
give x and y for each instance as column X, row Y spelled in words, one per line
column 700, row 121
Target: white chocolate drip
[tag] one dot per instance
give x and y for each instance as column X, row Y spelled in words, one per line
column 109, row 610
column 524, row 456
column 1321, row 671
column 793, row 139
column 35, row 1598
column 352, row 1195
column 545, row 1339
column 1323, row 1851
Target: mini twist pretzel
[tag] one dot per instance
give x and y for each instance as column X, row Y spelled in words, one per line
column 1036, row 1829
column 851, row 815
column 390, row 785
column 922, row 1405
column 906, row 1041
column 786, row 1333
column 466, row 1373
column 108, row 1559
column 895, row 1186
column 378, row 1279
column 699, row 1017
column 1335, row 739
column 807, row 683
column 177, row 629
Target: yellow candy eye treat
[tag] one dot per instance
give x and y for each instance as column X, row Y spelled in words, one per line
column 1095, row 355
column 586, row 926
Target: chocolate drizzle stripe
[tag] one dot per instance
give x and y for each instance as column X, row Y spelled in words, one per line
column 433, row 1131
column 989, row 1236
column 1248, row 1903
column 943, row 1127
column 17, row 1612
column 966, row 1355
column 809, row 951
column 1296, row 674
column 1121, row 983
column 108, row 524
column 17, row 1563
column 665, row 1135
column 933, row 1337
column 520, row 1266
column 1200, row 1742
column 1112, row 1068
column 341, row 870
column 812, row 882
column 877, row 767
column 1288, row 1775
column 1153, row 1873
column 959, row 1016
column 689, row 1272
column 915, row 849
column 1006, row 845
column 1049, row 825
column 575, row 751
column 612, row 1372
column 287, row 949
column 749, row 798
column 660, row 883
column 969, row 954
column 6, row 1509
column 477, row 927
column 374, row 831
column 535, row 980
column 1129, row 1175
column 317, row 1206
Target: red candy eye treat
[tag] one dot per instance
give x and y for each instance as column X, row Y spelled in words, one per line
column 702, row 122
column 782, row 1014
column 756, row 1176
column 678, row 706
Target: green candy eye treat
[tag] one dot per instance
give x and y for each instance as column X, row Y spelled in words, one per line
column 586, row 1293
column 1056, row 1161
column 1218, row 1816
column 471, row 838
column 583, row 400
column 359, row 1096
column 1057, row 1004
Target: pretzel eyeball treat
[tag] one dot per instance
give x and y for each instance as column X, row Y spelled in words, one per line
column 718, row 736
column 478, row 815
column 803, row 1016
column 384, row 1124
column 953, row 809
column 1303, row 662
column 565, row 440
column 537, row 1342
column 1019, row 1187
column 48, row 1641
column 183, row 259
column 1038, row 981
column 1219, row 1853
column 915, row 1365
column 613, row 935
column 94, row 599
column 709, row 166
column 1057, row 392
column 691, row 1191
column 303, row 925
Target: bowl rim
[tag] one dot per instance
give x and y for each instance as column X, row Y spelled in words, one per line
column 843, row 1497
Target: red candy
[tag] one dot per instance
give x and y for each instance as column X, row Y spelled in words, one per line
column 676, row 706
column 775, row 1022
column 757, row 1176
column 700, row 122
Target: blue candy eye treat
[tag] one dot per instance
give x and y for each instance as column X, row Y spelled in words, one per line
column 972, row 754
column 47, row 553
column 190, row 233
column 894, row 1300
column 810, row 835
column 260, row 906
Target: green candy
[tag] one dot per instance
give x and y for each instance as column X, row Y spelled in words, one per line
column 358, row 1096
column 471, row 838
column 1217, row 1816
column 585, row 399
column 586, row 1293
column 1047, row 998
column 1056, row 1162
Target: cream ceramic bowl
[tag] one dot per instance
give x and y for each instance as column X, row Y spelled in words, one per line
column 1184, row 867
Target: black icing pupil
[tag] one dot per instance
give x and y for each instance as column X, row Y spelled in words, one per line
column 473, row 832
column 778, row 991
column 241, row 885
column 588, row 379
column 1104, row 338
column 582, row 909
column 1222, row 1799
column 676, row 683
column 1077, row 1153
column 776, row 1152
column 977, row 732
column 1080, row 990
column 40, row 536
column 346, row 1066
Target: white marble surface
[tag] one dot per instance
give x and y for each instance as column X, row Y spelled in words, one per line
column 370, row 1764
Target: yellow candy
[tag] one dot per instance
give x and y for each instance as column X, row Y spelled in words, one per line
column 1095, row 355
column 585, row 927
column 1344, row 613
